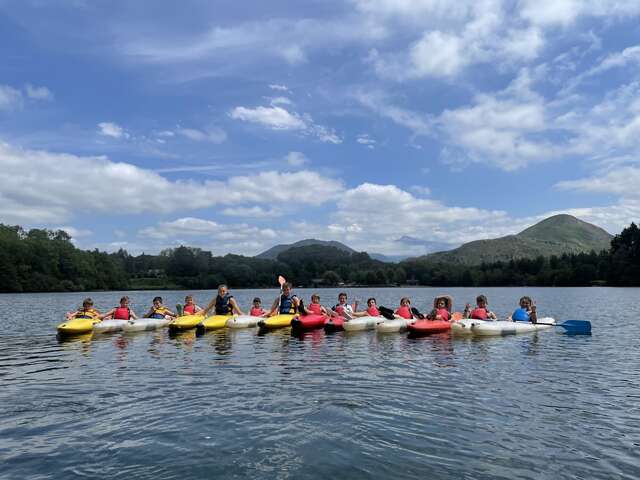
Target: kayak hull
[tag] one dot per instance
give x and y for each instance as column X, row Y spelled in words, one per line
column 243, row 321
column 146, row 324
column 428, row 327
column 386, row 325
column 333, row 324
column 109, row 326
column 486, row 328
column 277, row 321
column 186, row 322
column 361, row 323
column 214, row 322
column 77, row 326
column 309, row 322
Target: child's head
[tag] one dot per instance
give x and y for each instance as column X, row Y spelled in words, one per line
column 188, row 299
column 124, row 301
column 315, row 298
column 441, row 303
column 525, row 302
column 342, row 298
column 371, row 302
column 286, row 288
column 222, row 290
column 481, row 301
column 87, row 303
column 405, row 302
column 157, row 301
column 257, row 302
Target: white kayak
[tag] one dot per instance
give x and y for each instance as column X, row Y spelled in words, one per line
column 243, row 321
column 385, row 325
column 361, row 323
column 498, row 327
column 109, row 326
column 144, row 324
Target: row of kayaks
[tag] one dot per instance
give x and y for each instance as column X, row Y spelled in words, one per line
column 456, row 326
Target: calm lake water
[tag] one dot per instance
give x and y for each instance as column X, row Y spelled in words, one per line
column 233, row 404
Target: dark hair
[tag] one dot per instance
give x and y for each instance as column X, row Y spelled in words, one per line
column 481, row 298
column 525, row 298
column 369, row 299
column 287, row 285
column 157, row 299
column 87, row 301
column 124, row 299
column 257, row 299
column 341, row 294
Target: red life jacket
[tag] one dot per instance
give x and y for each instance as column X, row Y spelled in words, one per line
column 315, row 308
column 479, row 313
column 339, row 309
column 122, row 313
column 189, row 309
column 256, row 312
column 444, row 313
column 404, row 312
column 373, row 311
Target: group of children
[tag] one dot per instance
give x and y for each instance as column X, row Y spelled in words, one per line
column 287, row 303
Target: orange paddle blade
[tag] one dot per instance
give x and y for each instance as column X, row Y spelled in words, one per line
column 456, row 316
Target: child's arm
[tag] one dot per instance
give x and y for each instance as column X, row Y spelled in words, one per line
column 234, row 307
column 274, row 307
column 149, row 313
column 133, row 315
column 533, row 316
column 108, row 314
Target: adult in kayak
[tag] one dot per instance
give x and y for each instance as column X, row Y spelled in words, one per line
column 343, row 309
column 285, row 303
column 190, row 307
column 526, row 312
column 86, row 311
column 123, row 312
column 481, row 312
column 158, row 310
column 223, row 303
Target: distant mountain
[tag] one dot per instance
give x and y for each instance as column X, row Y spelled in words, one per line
column 273, row 252
column 553, row 236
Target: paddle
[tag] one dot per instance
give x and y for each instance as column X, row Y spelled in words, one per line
column 386, row 312
column 281, row 281
column 575, row 327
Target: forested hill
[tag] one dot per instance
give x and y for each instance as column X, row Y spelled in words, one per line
column 557, row 235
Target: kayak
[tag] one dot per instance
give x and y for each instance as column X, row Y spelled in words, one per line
column 499, row 327
column 277, row 321
column 109, row 326
column 428, row 327
column 361, row 323
column 243, row 321
column 214, row 322
column 386, row 325
column 146, row 324
column 309, row 322
column 77, row 326
column 333, row 324
column 185, row 322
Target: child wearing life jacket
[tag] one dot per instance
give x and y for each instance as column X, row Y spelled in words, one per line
column 190, row 308
column 526, row 312
column 314, row 308
column 86, row 311
column 123, row 312
column 158, row 310
column 257, row 310
column 223, row 303
column 441, row 309
column 404, row 311
column 372, row 308
column 343, row 309
column 481, row 312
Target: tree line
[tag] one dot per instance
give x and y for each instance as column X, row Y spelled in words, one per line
column 40, row 260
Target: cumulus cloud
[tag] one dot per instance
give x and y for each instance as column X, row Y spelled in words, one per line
column 41, row 187
column 38, row 93
column 282, row 88
column 110, row 129
column 297, row 159
column 10, row 98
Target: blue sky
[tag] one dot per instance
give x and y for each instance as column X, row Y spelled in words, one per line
column 385, row 124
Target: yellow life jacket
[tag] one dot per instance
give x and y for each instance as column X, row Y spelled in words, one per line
column 89, row 313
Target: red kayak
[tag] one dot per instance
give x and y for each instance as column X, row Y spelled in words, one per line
column 309, row 322
column 427, row 327
column 333, row 324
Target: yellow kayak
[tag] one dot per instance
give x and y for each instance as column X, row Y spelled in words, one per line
column 215, row 321
column 185, row 322
column 277, row 321
column 77, row 326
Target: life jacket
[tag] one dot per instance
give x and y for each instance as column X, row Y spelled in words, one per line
column 520, row 315
column 404, row 312
column 479, row 313
column 122, row 313
column 256, row 312
column 315, row 308
column 223, row 304
column 286, row 304
column 339, row 309
column 373, row 311
column 189, row 309
column 159, row 312
column 89, row 313
column 443, row 312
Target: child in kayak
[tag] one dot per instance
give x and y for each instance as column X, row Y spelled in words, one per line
column 526, row 312
column 123, row 312
column 158, row 310
column 481, row 312
column 223, row 303
column 343, row 308
column 190, row 308
column 314, row 308
column 86, row 311
column 285, row 303
column 257, row 310
column 404, row 311
column 441, row 309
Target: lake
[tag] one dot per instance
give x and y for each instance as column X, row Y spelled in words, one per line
column 233, row 404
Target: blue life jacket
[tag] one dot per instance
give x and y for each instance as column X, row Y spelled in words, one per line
column 223, row 305
column 520, row 315
column 286, row 304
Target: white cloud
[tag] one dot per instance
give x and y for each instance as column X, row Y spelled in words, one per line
column 41, row 187
column 110, row 129
column 38, row 93
column 280, row 101
column 297, row 159
column 365, row 139
column 630, row 55
column 10, row 98
column 252, row 212
column 623, row 181
column 420, row 190
column 282, row 88
column 419, row 123
column 74, row 232
column 551, row 13
column 212, row 134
